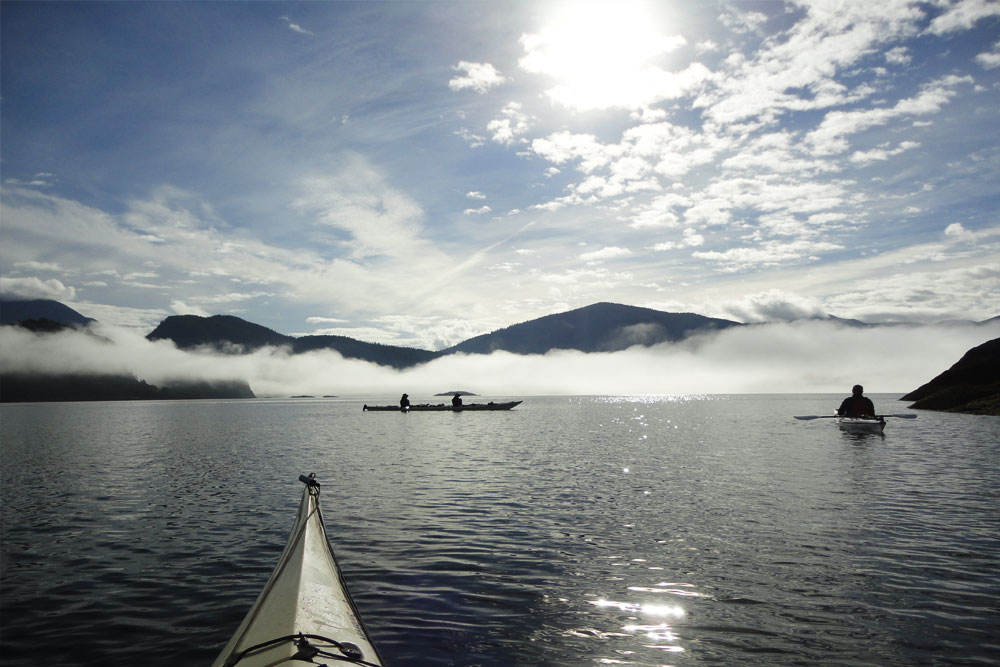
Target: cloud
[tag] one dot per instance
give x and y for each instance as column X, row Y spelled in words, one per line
column 482, row 210
column 480, row 77
column 468, row 136
column 792, row 357
column 37, row 266
column 511, row 124
column 794, row 70
column 606, row 253
column 768, row 254
column 957, row 230
column 691, row 238
column 962, row 16
column 882, row 153
column 355, row 199
column 181, row 308
column 295, row 27
column 35, row 288
column 830, row 137
column 898, row 55
column 774, row 306
column 325, row 320
column 990, row 59
column 40, row 180
column 565, row 146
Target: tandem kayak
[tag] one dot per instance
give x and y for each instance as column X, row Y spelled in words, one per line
column 861, row 425
column 305, row 612
column 442, row 407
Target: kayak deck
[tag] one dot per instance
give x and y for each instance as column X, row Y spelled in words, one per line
column 305, row 610
column 442, row 407
column 861, row 425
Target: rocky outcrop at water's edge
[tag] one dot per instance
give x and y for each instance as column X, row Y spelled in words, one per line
column 971, row 386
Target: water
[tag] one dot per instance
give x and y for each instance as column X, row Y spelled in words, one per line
column 699, row 530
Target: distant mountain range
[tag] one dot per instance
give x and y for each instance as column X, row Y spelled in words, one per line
column 601, row 327
column 232, row 335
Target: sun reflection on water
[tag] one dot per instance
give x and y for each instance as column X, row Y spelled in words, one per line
column 661, row 633
column 675, row 611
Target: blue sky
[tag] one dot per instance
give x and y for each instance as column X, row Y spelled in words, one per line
column 417, row 173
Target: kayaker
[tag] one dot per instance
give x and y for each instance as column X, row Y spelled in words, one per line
column 456, row 401
column 857, row 404
column 404, row 402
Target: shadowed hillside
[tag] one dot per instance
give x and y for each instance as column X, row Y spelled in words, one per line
column 224, row 333
column 972, row 385
column 21, row 386
column 232, row 335
column 14, row 311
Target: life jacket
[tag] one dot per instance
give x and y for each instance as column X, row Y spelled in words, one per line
column 859, row 406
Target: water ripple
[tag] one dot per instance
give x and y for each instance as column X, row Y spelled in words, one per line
column 626, row 530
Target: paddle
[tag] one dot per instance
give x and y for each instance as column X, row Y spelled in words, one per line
column 899, row 416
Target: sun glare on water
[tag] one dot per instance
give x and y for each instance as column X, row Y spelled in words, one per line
column 602, row 54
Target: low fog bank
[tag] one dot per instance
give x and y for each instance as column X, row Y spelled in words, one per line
column 808, row 356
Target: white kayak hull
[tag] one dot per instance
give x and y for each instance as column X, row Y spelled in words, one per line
column 306, row 594
column 859, row 425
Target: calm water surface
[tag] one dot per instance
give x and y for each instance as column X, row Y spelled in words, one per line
column 695, row 530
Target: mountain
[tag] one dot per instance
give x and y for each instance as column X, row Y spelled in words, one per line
column 232, row 335
column 23, row 388
column 224, row 333
column 972, row 385
column 13, row 311
column 601, row 327
column 386, row 355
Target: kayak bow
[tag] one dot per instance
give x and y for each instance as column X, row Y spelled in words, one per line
column 305, row 611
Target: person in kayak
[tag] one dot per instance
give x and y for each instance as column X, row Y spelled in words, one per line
column 857, row 404
column 404, row 402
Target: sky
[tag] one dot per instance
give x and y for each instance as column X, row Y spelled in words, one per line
column 417, row 173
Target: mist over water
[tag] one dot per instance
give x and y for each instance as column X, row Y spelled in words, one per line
column 807, row 356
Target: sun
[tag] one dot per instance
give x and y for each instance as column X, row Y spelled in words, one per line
column 601, row 54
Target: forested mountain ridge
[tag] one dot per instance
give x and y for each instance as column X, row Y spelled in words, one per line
column 601, row 327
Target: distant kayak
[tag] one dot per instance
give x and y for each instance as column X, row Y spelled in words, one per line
column 861, row 425
column 305, row 612
column 443, row 407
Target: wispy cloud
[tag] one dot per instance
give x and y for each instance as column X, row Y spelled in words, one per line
column 609, row 252
column 482, row 210
column 295, row 27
